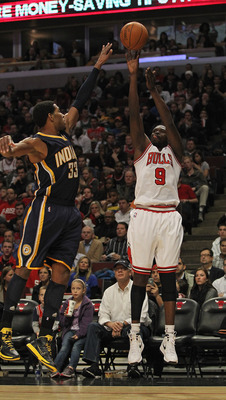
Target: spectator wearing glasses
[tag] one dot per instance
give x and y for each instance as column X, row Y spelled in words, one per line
column 206, row 260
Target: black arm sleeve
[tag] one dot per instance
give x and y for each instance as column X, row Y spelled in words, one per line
column 85, row 90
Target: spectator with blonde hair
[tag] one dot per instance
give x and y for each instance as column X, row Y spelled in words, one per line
column 83, row 271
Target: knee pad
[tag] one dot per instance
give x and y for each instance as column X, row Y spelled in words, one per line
column 168, row 281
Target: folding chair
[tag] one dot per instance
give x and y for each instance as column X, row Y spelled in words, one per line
column 207, row 347
column 23, row 332
column 186, row 316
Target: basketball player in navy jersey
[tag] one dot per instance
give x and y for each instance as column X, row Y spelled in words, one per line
column 155, row 228
column 52, row 223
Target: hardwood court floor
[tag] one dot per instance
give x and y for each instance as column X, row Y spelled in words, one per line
column 16, row 387
column 22, row 392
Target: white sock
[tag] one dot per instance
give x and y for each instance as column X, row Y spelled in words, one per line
column 169, row 329
column 135, row 328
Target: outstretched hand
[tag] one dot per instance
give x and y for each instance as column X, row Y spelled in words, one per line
column 150, row 79
column 105, row 53
column 6, row 143
column 132, row 59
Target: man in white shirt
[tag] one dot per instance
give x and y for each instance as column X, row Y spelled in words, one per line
column 220, row 284
column 222, row 235
column 114, row 318
column 123, row 215
column 218, row 260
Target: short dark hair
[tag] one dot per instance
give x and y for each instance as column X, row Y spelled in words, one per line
column 124, row 224
column 209, row 250
column 41, row 111
column 222, row 221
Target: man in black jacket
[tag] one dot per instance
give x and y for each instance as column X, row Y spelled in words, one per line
column 206, row 259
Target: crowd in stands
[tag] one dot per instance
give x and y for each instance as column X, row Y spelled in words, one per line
column 74, row 54
column 107, row 186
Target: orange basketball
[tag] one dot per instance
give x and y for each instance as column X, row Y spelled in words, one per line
column 134, row 36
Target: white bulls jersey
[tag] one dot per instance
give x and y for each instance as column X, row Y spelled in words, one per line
column 157, row 177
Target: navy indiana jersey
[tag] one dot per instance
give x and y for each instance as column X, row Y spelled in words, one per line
column 57, row 175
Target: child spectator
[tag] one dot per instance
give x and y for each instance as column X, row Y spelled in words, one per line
column 74, row 329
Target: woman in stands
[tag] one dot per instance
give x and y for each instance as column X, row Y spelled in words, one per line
column 201, row 164
column 84, row 272
column 95, row 213
column 6, row 276
column 44, row 275
column 202, row 289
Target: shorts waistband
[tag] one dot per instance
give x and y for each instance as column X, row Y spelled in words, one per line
column 158, row 208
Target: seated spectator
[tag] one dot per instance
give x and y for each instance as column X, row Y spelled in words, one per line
column 111, row 203
column 182, row 274
column 116, row 248
column 74, row 330
column 114, row 319
column 188, row 126
column 198, row 183
column 220, row 283
column 175, row 112
column 79, row 138
column 7, row 209
column 9, row 236
column 222, row 235
column 84, row 272
column 38, row 312
column 182, row 288
column 187, row 206
column 44, row 276
column 149, row 119
column 87, row 195
column 95, row 130
column 200, row 164
column 20, row 182
column 7, row 259
column 206, row 260
column 190, row 147
column 128, row 190
column 204, row 39
column 108, row 184
column 219, row 148
column 202, row 289
column 6, row 276
column 183, row 106
column 91, row 247
column 218, row 260
column 7, row 166
column 3, row 195
column 106, row 230
column 84, row 119
column 180, row 91
column 90, row 180
column 118, row 174
column 95, row 213
column 154, row 287
column 123, row 214
column 3, row 228
column 19, row 211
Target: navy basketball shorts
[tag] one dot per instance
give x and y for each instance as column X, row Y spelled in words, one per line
column 50, row 233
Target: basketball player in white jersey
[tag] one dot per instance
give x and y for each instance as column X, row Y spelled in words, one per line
column 155, row 228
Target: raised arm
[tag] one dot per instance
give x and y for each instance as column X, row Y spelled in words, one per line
column 165, row 115
column 86, row 89
column 139, row 139
column 35, row 148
